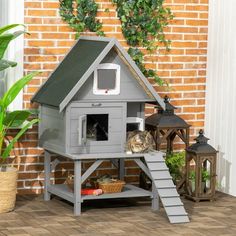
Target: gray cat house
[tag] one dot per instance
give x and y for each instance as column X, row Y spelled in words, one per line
column 87, row 105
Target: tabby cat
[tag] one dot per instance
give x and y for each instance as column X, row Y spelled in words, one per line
column 139, row 142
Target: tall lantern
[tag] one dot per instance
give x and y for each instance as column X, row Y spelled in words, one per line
column 200, row 170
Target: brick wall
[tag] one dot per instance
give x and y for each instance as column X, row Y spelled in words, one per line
column 184, row 67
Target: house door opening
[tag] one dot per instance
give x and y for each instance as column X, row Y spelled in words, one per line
column 97, row 127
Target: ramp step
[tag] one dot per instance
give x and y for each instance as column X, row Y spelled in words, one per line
column 178, row 219
column 164, row 174
column 171, row 201
column 154, row 157
column 175, row 210
column 170, row 187
column 164, row 183
column 167, row 193
column 155, row 161
column 157, row 166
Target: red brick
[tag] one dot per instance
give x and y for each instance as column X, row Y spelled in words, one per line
column 42, row 12
column 33, row 4
column 51, row 5
column 40, row 43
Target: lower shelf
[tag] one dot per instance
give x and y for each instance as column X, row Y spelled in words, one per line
column 128, row 191
column 64, row 192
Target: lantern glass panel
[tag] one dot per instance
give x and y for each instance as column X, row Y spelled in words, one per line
column 206, row 176
column 192, row 175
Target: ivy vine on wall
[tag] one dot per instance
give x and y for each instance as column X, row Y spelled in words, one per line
column 142, row 21
column 81, row 15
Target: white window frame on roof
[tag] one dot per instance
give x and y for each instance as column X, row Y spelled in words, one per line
column 12, row 12
column 107, row 66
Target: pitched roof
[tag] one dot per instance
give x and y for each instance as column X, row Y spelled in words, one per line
column 77, row 66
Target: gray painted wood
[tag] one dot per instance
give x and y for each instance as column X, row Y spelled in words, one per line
column 171, row 192
column 83, row 79
column 63, row 191
column 47, row 172
column 95, row 156
column 115, row 123
column 54, row 164
column 114, row 140
column 99, row 150
column 135, row 109
column 52, row 128
column 121, row 168
column 129, row 191
column 178, row 219
column 113, row 42
column 140, row 74
column 171, row 201
column 155, row 198
column 157, row 166
column 130, row 89
column 116, row 127
column 91, row 169
column 175, row 210
column 164, row 183
column 169, row 197
column 143, row 167
column 165, row 187
column 77, row 188
column 154, row 157
column 164, row 174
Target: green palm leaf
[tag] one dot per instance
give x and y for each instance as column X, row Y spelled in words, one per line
column 8, row 27
column 5, row 39
column 4, row 64
column 16, row 118
column 10, row 146
column 11, row 94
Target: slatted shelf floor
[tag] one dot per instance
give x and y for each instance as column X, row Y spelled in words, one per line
column 127, row 192
column 123, row 217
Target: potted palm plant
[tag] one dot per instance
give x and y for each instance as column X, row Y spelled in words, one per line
column 8, row 120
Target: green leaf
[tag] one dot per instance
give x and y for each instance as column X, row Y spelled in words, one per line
column 16, row 118
column 11, row 94
column 123, row 18
column 5, row 39
column 4, row 64
column 15, row 139
column 100, row 33
column 8, row 27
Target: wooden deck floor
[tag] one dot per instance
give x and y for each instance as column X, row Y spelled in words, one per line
column 33, row 216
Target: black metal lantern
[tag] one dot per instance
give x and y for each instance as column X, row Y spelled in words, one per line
column 165, row 126
column 200, row 170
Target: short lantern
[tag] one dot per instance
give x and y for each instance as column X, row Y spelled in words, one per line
column 165, row 126
column 200, row 170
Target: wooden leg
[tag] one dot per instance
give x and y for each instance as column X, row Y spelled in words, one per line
column 77, row 188
column 121, row 169
column 155, row 199
column 47, row 172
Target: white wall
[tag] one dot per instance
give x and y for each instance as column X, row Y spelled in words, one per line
column 12, row 12
column 220, row 124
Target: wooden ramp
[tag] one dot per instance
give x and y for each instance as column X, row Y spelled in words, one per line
column 165, row 187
